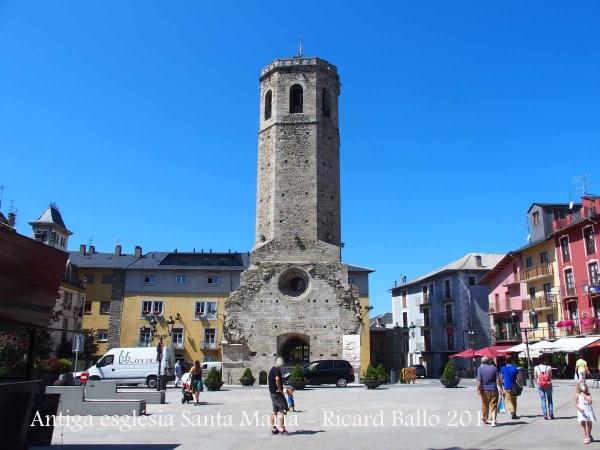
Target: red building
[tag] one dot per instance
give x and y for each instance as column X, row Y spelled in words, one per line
column 577, row 237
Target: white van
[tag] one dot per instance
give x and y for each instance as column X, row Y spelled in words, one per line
column 206, row 366
column 133, row 366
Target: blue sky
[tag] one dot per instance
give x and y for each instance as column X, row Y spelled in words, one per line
column 140, row 119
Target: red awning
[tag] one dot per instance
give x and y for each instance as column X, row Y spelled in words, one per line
column 491, row 352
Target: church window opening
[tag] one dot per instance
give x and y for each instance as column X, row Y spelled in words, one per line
column 268, row 105
column 294, row 282
column 296, row 99
column 326, row 103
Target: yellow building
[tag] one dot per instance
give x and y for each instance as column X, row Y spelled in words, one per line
column 103, row 275
column 541, row 287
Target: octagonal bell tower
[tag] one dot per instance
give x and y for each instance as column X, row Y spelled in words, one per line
column 298, row 182
column 295, row 300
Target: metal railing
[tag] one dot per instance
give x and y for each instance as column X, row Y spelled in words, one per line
column 541, row 301
column 577, row 216
column 539, row 270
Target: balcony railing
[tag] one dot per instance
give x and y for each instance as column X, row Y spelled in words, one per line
column 501, row 305
column 444, row 296
column 571, row 291
column 577, row 216
column 541, row 301
column 424, row 346
column 537, row 271
column 178, row 345
column 548, row 332
column 506, row 332
column 209, row 345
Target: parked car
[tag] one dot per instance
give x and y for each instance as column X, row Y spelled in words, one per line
column 421, row 371
column 328, row 371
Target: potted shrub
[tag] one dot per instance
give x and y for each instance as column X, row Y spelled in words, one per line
column 382, row 373
column 297, row 379
column 449, row 378
column 213, row 380
column 49, row 369
column 247, row 378
column 372, row 379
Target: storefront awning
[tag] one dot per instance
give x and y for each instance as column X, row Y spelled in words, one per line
column 571, row 345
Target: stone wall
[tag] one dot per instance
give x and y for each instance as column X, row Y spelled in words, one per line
column 116, row 309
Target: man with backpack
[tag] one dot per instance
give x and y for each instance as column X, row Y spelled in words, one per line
column 543, row 377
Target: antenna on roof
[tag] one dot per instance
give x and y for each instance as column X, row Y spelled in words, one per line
column 91, row 240
column 117, row 240
column 301, row 52
column 583, row 184
column 1, row 194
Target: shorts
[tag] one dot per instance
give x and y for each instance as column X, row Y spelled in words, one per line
column 279, row 403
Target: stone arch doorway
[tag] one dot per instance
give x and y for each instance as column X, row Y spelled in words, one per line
column 295, row 350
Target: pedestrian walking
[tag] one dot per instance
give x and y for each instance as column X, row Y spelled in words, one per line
column 582, row 368
column 543, row 377
column 196, row 381
column 585, row 412
column 178, row 372
column 278, row 401
column 487, row 388
column 509, row 385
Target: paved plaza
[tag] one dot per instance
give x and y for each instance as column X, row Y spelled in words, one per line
column 418, row 416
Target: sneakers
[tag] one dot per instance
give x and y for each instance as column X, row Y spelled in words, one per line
column 514, row 416
column 546, row 417
column 274, row 431
column 552, row 416
column 493, row 424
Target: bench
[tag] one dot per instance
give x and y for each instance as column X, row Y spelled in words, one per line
column 107, row 390
column 74, row 403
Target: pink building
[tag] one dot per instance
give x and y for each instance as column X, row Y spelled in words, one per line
column 505, row 296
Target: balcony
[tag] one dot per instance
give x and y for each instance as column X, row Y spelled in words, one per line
column 571, row 219
column 570, row 291
column 423, row 347
column 178, row 345
column 424, row 300
column 505, row 333
column 500, row 306
column 209, row 345
column 536, row 272
column 549, row 332
column 543, row 301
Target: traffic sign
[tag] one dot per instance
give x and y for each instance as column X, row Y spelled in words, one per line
column 78, row 341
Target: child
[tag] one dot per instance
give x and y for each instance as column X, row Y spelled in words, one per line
column 290, row 398
column 585, row 415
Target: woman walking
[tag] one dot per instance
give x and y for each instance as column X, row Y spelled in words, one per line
column 196, row 381
column 543, row 377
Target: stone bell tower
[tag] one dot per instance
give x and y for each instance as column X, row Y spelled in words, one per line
column 295, row 300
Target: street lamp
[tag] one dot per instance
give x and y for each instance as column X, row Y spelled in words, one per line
column 533, row 322
column 159, row 348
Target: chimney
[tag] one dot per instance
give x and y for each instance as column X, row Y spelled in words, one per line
column 478, row 261
column 118, row 249
column 404, row 279
column 92, row 249
column 138, row 251
column 12, row 219
column 82, row 249
column 378, row 323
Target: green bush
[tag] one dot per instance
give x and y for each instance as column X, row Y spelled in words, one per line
column 371, row 373
column 213, row 376
column 449, row 373
column 381, row 372
column 297, row 374
column 53, row 365
column 247, row 374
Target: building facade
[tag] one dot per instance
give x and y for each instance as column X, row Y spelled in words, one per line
column 191, row 288
column 576, row 237
column 103, row 275
column 449, row 309
column 296, row 299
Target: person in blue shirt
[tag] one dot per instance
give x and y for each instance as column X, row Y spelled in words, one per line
column 509, row 377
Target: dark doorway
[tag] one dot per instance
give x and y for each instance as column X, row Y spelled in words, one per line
column 295, row 351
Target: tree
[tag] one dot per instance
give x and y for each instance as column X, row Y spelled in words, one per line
column 90, row 345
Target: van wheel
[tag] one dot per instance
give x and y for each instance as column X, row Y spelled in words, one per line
column 341, row 382
column 151, row 382
column 94, row 378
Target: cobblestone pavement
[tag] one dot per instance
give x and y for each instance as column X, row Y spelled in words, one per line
column 424, row 415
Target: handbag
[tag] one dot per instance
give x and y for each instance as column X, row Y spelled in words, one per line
column 516, row 389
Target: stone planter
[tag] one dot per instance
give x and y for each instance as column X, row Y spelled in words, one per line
column 214, row 385
column 372, row 384
column 450, row 383
column 298, row 385
column 247, row 381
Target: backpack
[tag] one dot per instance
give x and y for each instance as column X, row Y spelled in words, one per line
column 544, row 380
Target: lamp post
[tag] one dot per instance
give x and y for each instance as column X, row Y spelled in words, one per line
column 471, row 334
column 396, row 332
column 159, row 348
column 527, row 330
